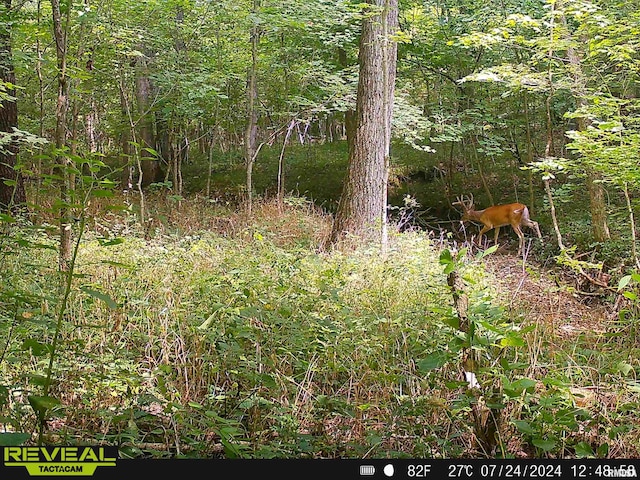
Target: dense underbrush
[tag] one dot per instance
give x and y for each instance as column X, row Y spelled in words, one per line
column 240, row 339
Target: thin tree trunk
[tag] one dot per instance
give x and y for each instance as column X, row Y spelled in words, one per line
column 125, row 136
column 349, row 115
column 41, row 96
column 594, row 185
column 76, row 100
column 137, row 164
column 549, row 146
column 149, row 166
column 280, row 192
column 210, row 165
column 92, row 120
column 12, row 195
column 547, row 188
column 60, row 36
column 598, row 206
column 175, row 161
column 486, row 421
column 485, row 185
column 251, row 131
column 634, row 244
column 525, row 101
column 548, row 151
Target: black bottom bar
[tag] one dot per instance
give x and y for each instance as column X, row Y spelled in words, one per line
column 343, row 469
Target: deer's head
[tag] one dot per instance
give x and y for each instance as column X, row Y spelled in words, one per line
column 467, row 207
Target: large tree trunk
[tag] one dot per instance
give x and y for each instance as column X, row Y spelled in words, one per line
column 363, row 199
column 12, row 195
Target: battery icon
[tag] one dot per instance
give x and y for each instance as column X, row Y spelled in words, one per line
column 367, row 470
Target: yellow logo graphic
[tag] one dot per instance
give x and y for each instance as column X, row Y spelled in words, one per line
column 60, row 461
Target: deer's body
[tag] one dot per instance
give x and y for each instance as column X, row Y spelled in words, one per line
column 514, row 214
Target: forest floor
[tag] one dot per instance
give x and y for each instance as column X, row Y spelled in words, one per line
column 548, row 299
column 573, row 327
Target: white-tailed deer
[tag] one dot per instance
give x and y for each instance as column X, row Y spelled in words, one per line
column 514, row 214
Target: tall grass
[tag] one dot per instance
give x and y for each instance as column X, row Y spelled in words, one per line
column 228, row 335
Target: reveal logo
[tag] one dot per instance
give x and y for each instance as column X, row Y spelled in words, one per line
column 60, row 461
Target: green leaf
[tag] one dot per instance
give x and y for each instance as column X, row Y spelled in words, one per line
column 100, row 296
column 129, row 451
column 151, row 151
column 432, row 362
column 584, row 450
column 39, row 380
column 102, row 193
column 624, row 281
column 461, row 254
column 43, row 404
column 523, row 384
column 546, row 444
column 624, row 368
column 445, row 257
column 453, row 322
column 37, row 348
column 633, row 387
column 524, row 427
column 486, row 252
column 603, row 450
column 512, row 341
column 4, row 395
column 268, row 381
column 13, row 439
column 111, row 242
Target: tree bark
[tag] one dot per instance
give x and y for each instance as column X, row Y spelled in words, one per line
column 349, row 115
column 486, row 421
column 126, row 136
column 554, row 218
column 632, row 223
column 12, row 195
column 251, row 130
column 363, row 199
column 63, row 163
column 594, row 186
column 598, row 206
column 149, row 164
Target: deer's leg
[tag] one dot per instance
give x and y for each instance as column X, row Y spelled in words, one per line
column 495, row 235
column 518, row 230
column 537, row 228
column 484, row 230
column 527, row 222
column 534, row 226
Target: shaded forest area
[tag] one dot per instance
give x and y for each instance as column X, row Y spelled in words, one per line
column 203, row 204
